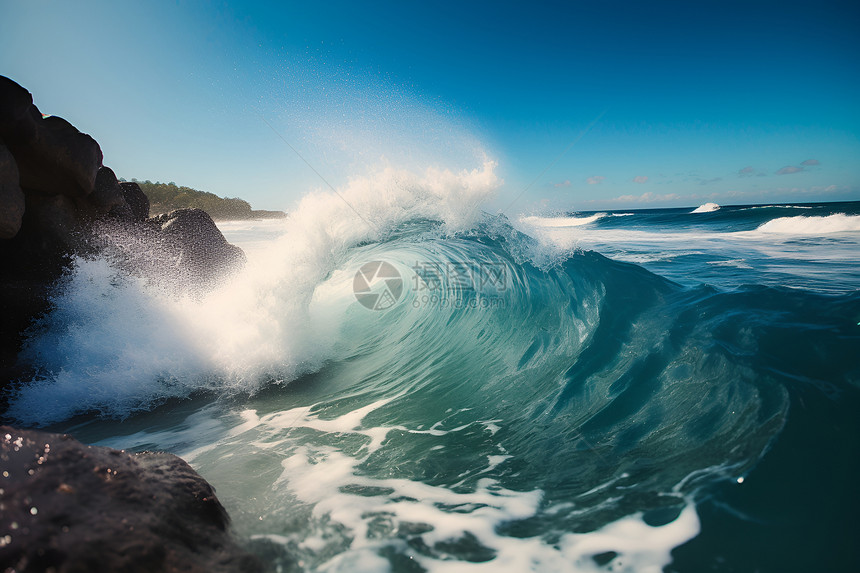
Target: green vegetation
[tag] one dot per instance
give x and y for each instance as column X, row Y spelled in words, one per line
column 166, row 197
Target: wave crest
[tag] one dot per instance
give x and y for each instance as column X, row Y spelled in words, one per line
column 803, row 225
column 562, row 221
column 118, row 343
column 706, row 208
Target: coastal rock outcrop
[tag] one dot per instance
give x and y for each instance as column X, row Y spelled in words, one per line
column 199, row 248
column 58, row 200
column 136, row 200
column 52, row 156
column 65, row 506
column 11, row 196
column 108, row 195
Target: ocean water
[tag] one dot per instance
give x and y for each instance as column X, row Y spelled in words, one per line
column 401, row 381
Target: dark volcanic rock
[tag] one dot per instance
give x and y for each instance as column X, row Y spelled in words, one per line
column 55, row 222
column 107, row 194
column 15, row 107
column 11, row 196
column 71, row 507
column 199, row 249
column 182, row 252
column 136, row 199
column 53, row 157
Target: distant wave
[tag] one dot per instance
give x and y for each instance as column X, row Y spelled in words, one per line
column 802, row 225
column 736, row 263
column 776, row 207
column 562, row 221
column 706, row 208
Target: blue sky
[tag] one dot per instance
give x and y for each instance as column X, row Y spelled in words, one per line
column 583, row 105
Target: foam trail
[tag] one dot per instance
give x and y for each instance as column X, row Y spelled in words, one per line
column 355, row 518
column 561, row 221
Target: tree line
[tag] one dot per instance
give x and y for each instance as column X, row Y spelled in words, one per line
column 166, row 197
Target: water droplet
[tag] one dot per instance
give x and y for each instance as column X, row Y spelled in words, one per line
column 33, row 511
column 5, row 474
column 740, row 480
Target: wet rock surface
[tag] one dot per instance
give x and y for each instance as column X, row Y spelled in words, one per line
column 65, row 507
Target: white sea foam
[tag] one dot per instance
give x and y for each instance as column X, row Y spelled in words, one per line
column 297, row 464
column 736, row 263
column 253, row 236
column 349, row 509
column 771, row 253
column 323, row 477
column 561, row 221
column 706, row 208
column 557, row 235
column 803, row 225
column 116, row 343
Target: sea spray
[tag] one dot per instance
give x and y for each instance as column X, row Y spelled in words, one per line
column 126, row 343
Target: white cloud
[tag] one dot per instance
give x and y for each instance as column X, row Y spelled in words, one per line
column 595, row 179
column 565, row 183
column 810, row 162
column 734, row 196
column 640, row 179
column 648, row 197
column 747, row 171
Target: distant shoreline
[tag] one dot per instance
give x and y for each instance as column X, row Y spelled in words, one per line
column 167, row 197
column 253, row 215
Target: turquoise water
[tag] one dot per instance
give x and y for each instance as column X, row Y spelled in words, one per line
column 417, row 385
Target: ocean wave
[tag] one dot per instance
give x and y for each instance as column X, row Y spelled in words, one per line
column 803, row 225
column 137, row 343
column 756, row 207
column 551, row 222
column 706, row 208
column 512, row 405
